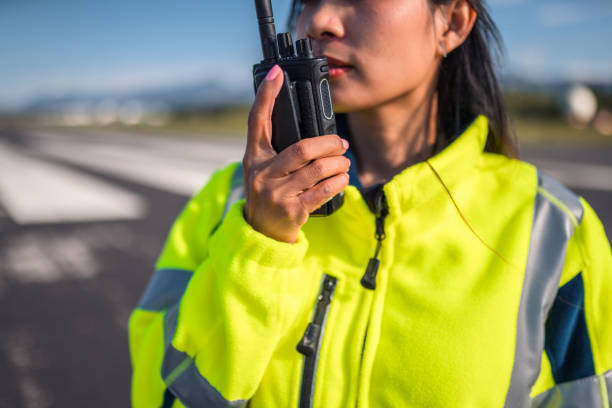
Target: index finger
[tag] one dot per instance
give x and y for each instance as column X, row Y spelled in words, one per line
column 259, row 135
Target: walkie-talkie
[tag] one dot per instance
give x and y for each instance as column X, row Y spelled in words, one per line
column 303, row 107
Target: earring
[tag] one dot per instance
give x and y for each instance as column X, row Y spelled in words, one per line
column 443, row 49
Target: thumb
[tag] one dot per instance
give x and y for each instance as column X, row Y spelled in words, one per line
column 260, row 118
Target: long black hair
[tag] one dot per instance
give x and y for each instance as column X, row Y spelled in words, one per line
column 467, row 83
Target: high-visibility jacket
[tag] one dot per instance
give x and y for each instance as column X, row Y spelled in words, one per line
column 493, row 289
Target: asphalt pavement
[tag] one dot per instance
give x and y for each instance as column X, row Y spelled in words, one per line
column 83, row 215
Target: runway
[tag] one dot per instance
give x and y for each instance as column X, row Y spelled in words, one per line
column 83, row 215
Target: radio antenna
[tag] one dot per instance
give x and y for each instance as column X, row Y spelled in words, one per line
column 267, row 31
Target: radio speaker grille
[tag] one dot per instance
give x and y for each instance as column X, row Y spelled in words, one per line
column 326, row 102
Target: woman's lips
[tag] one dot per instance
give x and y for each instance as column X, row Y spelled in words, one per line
column 337, row 68
column 335, row 71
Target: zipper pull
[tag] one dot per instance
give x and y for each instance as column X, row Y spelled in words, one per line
column 368, row 280
column 310, row 340
column 307, row 346
column 381, row 210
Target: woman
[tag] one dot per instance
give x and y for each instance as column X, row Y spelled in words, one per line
column 453, row 275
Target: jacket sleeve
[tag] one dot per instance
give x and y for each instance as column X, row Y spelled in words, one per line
column 577, row 362
column 211, row 316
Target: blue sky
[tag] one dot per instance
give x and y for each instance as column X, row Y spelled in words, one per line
column 64, row 46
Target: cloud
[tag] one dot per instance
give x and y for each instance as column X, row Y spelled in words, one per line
column 530, row 61
column 589, row 70
column 536, row 63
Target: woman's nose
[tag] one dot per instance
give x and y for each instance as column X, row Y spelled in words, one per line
column 325, row 21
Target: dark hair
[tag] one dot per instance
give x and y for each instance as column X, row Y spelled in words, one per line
column 467, row 83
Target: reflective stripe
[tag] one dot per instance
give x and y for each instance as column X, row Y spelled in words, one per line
column 170, row 320
column 566, row 199
column 189, row 386
column 553, row 225
column 589, row 392
column 179, row 371
column 236, row 189
column 236, row 192
column 608, row 381
column 182, row 377
column 603, row 389
column 164, row 289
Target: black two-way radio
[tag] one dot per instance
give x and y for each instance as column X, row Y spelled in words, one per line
column 303, row 107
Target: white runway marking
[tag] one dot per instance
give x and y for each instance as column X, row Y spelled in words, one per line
column 577, row 175
column 47, row 259
column 177, row 166
column 174, row 164
column 34, row 191
column 22, row 350
column 51, row 256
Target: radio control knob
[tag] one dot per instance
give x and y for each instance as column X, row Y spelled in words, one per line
column 304, row 48
column 285, row 45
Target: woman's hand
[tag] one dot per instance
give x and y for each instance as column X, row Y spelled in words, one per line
column 282, row 189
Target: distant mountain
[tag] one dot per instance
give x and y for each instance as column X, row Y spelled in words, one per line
column 206, row 94
column 519, row 84
column 212, row 94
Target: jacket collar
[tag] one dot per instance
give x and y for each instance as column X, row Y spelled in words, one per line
column 419, row 183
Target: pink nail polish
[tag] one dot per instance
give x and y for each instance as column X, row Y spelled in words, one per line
column 273, row 73
column 345, row 143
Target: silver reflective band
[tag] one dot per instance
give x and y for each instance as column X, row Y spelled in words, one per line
column 590, row 392
column 560, row 192
column 170, row 320
column 556, row 213
column 608, row 383
column 182, row 377
column 164, row 289
column 236, row 189
column 236, row 192
column 188, row 385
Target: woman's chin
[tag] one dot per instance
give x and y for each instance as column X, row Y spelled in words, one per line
column 341, row 99
column 341, row 108
column 344, row 108
column 345, row 104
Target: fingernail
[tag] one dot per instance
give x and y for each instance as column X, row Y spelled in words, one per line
column 345, row 143
column 273, row 73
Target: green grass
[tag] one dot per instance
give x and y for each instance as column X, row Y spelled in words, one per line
column 545, row 131
column 541, row 125
column 529, row 130
column 230, row 121
column 226, row 122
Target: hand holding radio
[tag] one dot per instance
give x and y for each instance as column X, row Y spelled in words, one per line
column 293, row 163
column 282, row 189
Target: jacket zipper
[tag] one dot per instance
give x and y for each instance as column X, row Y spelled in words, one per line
column 378, row 204
column 310, row 343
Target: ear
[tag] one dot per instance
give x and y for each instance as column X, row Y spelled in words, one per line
column 459, row 18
